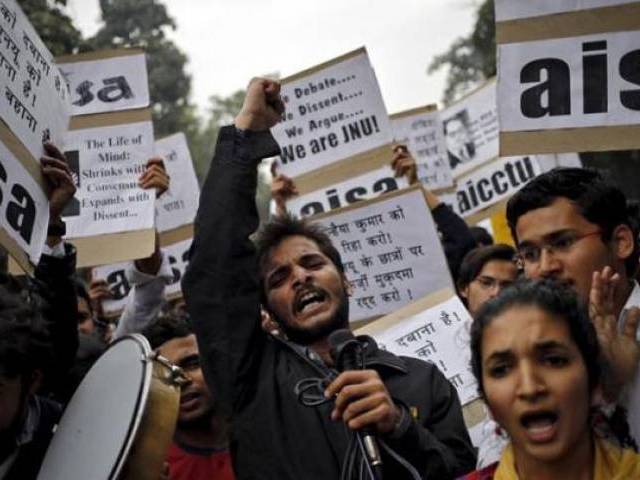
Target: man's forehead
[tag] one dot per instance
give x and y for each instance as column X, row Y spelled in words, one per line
column 179, row 348
column 561, row 214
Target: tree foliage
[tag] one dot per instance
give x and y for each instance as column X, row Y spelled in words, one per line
column 470, row 60
column 55, row 27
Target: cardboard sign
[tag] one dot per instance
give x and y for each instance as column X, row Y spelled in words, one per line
column 470, row 128
column 572, row 85
column 178, row 254
column 516, row 9
column 362, row 187
column 119, row 286
column 110, row 210
column 390, row 251
column 434, row 329
column 34, row 95
column 106, row 81
column 333, row 111
column 421, row 131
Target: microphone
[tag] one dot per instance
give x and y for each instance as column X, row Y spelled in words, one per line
column 347, row 354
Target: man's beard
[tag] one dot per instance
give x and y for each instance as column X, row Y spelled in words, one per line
column 201, row 422
column 310, row 335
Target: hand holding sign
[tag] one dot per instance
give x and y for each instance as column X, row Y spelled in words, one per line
column 403, row 164
column 262, row 107
column 59, row 180
column 155, row 176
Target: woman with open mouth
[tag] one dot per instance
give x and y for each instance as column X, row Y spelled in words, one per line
column 534, row 353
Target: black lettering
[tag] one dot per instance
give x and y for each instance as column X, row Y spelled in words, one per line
column 594, row 77
column 115, row 89
column 355, row 194
column 3, row 177
column 312, row 208
column 472, row 193
column 630, row 71
column 118, row 284
column 499, row 187
column 485, row 195
column 385, row 185
column 557, row 87
column 84, row 90
column 21, row 214
column 463, row 201
column 512, row 178
column 334, row 199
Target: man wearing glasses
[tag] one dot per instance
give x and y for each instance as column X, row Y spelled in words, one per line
column 573, row 226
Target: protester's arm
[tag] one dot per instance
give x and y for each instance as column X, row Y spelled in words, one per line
column 456, row 236
column 220, row 285
column 439, row 446
column 57, row 266
column 282, row 189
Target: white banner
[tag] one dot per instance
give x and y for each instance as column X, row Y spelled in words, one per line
column 423, row 135
column 556, row 160
column 179, row 204
column 119, row 286
column 439, row 335
column 106, row 163
column 494, row 182
column 178, row 254
column 108, row 84
column 588, row 81
column 471, row 130
column 331, row 114
column 24, row 208
column 35, row 103
column 391, row 253
column 342, row 194
column 515, row 9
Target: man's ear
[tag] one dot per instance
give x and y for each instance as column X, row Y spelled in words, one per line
column 623, row 241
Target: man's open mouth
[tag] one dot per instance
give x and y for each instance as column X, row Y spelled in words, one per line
column 309, row 299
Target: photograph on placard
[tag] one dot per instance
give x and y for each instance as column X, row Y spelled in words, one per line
column 332, row 112
column 106, row 81
column 390, row 251
column 470, row 128
column 179, row 204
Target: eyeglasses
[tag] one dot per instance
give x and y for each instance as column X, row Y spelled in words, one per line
column 559, row 245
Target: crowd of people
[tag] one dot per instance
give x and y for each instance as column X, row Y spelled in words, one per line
column 274, row 384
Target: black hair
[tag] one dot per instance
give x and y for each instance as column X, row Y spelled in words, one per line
column 551, row 297
column 598, row 201
column 25, row 342
column 474, row 261
column 167, row 327
column 283, row 226
column 81, row 291
column 481, row 236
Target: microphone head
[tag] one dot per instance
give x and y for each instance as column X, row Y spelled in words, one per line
column 344, row 348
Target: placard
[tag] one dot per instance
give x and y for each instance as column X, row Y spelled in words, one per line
column 333, row 111
column 433, row 329
column 362, row 187
column 494, row 182
column 178, row 255
column 35, row 103
column 470, row 128
column 106, row 81
column 516, row 9
column 179, row 204
column 421, row 131
column 24, row 211
column 390, row 251
column 568, row 83
column 116, row 277
column 109, row 205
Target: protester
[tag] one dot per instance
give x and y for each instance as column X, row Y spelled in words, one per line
column 484, row 273
column 276, row 432
column 534, row 354
column 200, row 449
column 481, row 236
column 572, row 226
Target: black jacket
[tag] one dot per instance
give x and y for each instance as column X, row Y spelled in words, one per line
column 253, row 376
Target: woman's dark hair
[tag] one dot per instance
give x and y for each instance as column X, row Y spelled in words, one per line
column 551, row 297
column 474, row 261
column 25, row 343
column 598, row 201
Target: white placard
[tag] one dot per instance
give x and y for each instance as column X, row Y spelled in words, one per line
column 179, row 204
column 470, row 128
column 541, row 83
column 119, row 286
column 423, row 135
column 439, row 335
column 107, row 85
column 555, row 160
column 363, row 187
column 35, row 103
column 514, row 9
column 490, row 445
column 178, row 255
column 494, row 182
column 391, row 253
column 24, row 208
column 106, row 163
column 331, row 114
